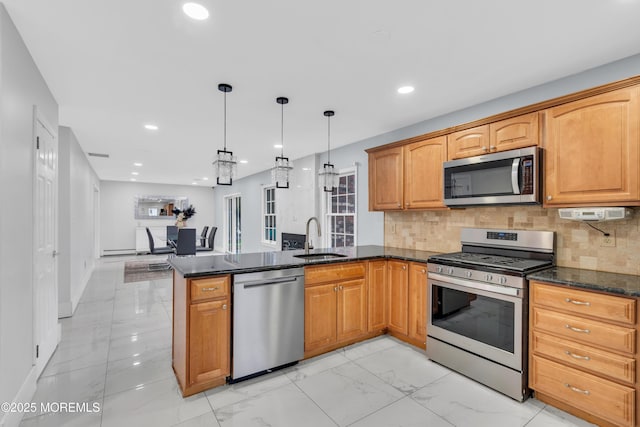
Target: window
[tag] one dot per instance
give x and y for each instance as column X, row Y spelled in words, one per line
column 269, row 214
column 233, row 241
column 341, row 212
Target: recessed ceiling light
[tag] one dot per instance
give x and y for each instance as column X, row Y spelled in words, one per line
column 406, row 89
column 137, row 164
column 204, row 178
column 306, row 169
column 134, row 173
column 195, row 11
column 132, row 179
column 277, row 146
column 151, row 127
column 244, row 162
column 194, row 183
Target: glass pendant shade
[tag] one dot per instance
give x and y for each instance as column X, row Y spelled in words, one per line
column 225, row 167
column 281, row 172
column 225, row 164
column 328, row 177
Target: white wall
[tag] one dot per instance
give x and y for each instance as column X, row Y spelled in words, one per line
column 78, row 185
column 117, row 219
column 21, row 87
column 294, row 205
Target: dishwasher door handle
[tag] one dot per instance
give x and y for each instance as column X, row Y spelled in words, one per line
column 258, row 283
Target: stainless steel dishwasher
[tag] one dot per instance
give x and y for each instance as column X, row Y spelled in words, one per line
column 268, row 321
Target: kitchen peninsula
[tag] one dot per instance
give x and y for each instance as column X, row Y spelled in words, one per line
column 363, row 292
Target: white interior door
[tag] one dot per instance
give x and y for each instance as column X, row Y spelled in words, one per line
column 45, row 287
column 233, row 229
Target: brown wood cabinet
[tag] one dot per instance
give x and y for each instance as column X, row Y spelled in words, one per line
column 418, row 303
column 398, row 274
column 582, row 353
column 335, row 306
column 386, row 179
column 592, row 151
column 509, row 134
column 468, row 143
column 408, row 177
column 423, row 187
column 377, row 286
column 407, row 283
column 201, row 332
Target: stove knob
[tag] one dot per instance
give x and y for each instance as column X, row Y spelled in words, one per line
column 469, row 274
column 489, row 277
column 503, row 280
column 439, row 269
column 450, row 270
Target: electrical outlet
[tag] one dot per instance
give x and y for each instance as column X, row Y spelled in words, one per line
column 609, row 241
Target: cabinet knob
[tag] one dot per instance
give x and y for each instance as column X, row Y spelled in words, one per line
column 335, row 289
column 424, row 271
column 406, row 204
column 224, row 306
column 404, row 267
column 340, row 287
column 484, row 149
column 492, row 147
column 399, row 205
column 549, row 197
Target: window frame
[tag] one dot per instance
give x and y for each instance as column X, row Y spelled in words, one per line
column 263, row 217
column 328, row 215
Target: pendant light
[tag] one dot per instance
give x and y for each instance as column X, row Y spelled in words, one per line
column 282, row 168
column 225, row 163
column 327, row 174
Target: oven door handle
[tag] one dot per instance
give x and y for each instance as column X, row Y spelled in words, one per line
column 515, row 174
column 496, row 289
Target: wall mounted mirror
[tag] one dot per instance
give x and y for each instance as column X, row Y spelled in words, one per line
column 158, row 207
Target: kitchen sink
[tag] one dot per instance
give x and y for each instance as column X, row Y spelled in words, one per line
column 323, row 255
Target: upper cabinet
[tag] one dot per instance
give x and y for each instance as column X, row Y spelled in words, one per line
column 423, row 185
column 592, row 151
column 386, row 179
column 408, row 177
column 516, row 132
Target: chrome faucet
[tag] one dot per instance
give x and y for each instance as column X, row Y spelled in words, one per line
column 307, row 246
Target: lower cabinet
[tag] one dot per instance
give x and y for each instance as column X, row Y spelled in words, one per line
column 335, row 306
column 201, row 332
column 408, row 301
column 377, row 287
column 582, row 353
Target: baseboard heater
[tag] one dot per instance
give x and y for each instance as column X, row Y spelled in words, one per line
column 107, row 252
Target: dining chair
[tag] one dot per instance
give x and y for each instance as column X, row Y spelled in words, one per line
column 186, row 244
column 208, row 247
column 152, row 246
column 203, row 237
column 172, row 235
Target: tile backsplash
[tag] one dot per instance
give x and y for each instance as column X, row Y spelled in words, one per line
column 577, row 244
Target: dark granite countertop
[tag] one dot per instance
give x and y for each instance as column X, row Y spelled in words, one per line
column 621, row 284
column 260, row 261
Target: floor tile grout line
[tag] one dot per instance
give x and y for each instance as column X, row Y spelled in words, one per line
column 315, row 403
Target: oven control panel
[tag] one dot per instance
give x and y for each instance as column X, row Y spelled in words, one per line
column 477, row 275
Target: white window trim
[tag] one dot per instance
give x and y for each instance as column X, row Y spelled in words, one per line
column 325, row 209
column 269, row 243
column 225, row 242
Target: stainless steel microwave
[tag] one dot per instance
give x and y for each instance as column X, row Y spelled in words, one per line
column 507, row 177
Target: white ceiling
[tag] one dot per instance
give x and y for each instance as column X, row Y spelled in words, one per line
column 114, row 65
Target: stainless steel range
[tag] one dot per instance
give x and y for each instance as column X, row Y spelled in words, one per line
column 477, row 314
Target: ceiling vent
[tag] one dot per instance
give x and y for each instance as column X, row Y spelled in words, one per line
column 105, row 156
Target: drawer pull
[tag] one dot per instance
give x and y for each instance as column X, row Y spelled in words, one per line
column 574, row 329
column 572, row 301
column 578, row 390
column 209, row 289
column 576, row 356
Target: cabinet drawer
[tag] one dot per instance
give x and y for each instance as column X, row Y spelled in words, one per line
column 209, row 288
column 602, row 398
column 583, row 356
column 606, row 307
column 332, row 273
column 587, row 331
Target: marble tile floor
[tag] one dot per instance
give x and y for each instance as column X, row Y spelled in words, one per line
column 116, row 352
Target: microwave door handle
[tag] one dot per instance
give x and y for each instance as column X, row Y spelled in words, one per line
column 515, row 169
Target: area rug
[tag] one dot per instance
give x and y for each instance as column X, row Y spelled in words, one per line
column 138, row 271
